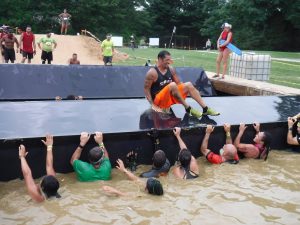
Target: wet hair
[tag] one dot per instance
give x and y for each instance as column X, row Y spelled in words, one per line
column 159, row 159
column 154, row 187
column 71, row 97
column 49, row 186
column 95, row 155
column 74, row 53
column 162, row 54
column 185, row 157
column 267, row 139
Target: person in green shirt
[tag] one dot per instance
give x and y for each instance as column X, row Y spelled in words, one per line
column 99, row 167
column 107, row 48
column 48, row 45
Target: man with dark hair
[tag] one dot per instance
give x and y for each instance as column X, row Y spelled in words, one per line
column 99, row 167
column 161, row 165
column 74, row 60
column 28, row 46
column 188, row 168
column 163, row 88
column 9, row 41
column 49, row 184
column 226, row 154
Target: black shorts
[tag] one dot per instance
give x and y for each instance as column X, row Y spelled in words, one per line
column 107, row 59
column 27, row 55
column 47, row 56
column 9, row 54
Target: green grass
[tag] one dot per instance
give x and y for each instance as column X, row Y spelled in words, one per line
column 282, row 73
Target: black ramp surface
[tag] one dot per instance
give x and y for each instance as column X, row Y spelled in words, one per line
column 37, row 82
column 126, row 125
column 35, row 119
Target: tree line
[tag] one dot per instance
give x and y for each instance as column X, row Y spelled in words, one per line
column 257, row 24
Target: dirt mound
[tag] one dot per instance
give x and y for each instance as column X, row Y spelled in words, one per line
column 87, row 49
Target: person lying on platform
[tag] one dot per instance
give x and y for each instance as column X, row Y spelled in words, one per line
column 226, row 154
column 69, row 97
column 151, row 186
column 160, row 167
column 188, row 167
column 293, row 121
column 99, row 167
column 49, row 184
column 259, row 149
column 163, row 89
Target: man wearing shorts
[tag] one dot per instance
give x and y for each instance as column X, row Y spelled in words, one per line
column 8, row 48
column 28, row 46
column 65, row 21
column 49, row 44
column 163, row 89
column 226, row 154
column 107, row 47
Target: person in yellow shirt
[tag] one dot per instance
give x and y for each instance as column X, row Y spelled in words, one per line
column 107, row 48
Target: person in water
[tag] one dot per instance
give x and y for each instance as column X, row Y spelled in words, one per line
column 188, row 167
column 227, row 153
column 98, row 167
column 292, row 122
column 49, row 184
column 151, row 186
column 260, row 147
column 160, row 167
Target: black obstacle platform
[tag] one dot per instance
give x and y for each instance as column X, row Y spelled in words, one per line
column 128, row 124
column 44, row 82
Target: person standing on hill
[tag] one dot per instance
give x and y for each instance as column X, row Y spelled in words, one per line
column 48, row 45
column 28, row 46
column 224, row 52
column 107, row 48
column 65, row 21
column 8, row 49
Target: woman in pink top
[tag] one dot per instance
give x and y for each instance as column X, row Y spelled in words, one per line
column 261, row 146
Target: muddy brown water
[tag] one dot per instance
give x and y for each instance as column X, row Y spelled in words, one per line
column 252, row 192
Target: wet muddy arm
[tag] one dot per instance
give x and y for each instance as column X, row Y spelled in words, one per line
column 84, row 138
column 113, row 191
column 49, row 158
column 237, row 141
column 204, row 146
column 32, row 188
column 181, row 143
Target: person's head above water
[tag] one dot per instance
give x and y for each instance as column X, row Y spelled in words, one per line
column 96, row 156
column 230, row 151
column 185, row 157
column 159, row 159
column 50, row 186
column 154, row 187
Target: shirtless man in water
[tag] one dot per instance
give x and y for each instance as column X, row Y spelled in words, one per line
column 8, row 48
column 65, row 21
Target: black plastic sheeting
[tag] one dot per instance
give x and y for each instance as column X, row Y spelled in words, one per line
column 42, row 82
column 127, row 126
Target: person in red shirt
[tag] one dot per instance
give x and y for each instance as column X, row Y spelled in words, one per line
column 224, row 52
column 226, row 154
column 28, row 46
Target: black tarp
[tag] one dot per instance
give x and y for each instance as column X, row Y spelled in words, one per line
column 127, row 126
column 41, row 82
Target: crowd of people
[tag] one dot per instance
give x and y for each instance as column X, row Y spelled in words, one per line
column 99, row 166
column 162, row 89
